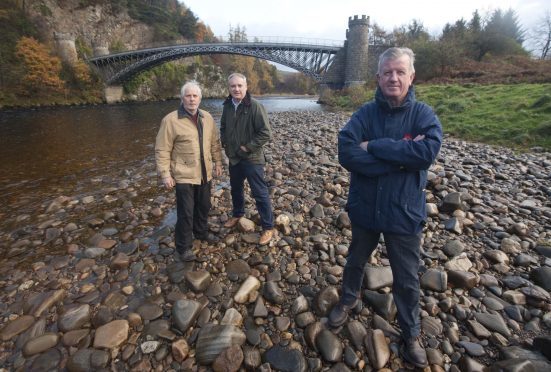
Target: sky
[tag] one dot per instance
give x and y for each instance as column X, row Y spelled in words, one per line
column 328, row 19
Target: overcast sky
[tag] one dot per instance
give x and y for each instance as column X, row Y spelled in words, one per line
column 328, row 19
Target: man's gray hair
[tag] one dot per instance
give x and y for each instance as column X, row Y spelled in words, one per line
column 395, row 53
column 237, row 74
column 188, row 85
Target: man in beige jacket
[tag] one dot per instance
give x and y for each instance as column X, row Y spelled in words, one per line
column 187, row 144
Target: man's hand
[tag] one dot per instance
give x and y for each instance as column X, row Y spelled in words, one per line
column 363, row 145
column 243, row 148
column 169, row 182
column 217, row 170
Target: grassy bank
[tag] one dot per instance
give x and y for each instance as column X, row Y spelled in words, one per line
column 517, row 116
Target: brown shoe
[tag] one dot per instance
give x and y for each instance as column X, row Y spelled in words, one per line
column 232, row 222
column 266, row 236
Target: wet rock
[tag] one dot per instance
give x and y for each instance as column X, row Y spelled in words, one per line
column 377, row 277
column 453, row 248
column 42, row 302
column 542, row 277
column 229, row 360
column 250, row 285
column 356, row 332
column 238, row 268
column 232, row 317
column 112, row 334
column 214, row 338
column 273, row 293
column 149, row 311
column 325, row 300
column 180, row 350
column 284, row 359
column 199, row 281
column 184, row 313
column 383, row 304
column 434, row 280
column 47, row 361
column 462, row 279
column 493, row 322
column 75, row 337
column 16, row 327
column 472, row 348
column 377, row 348
column 74, row 318
column 40, row 344
column 329, row 346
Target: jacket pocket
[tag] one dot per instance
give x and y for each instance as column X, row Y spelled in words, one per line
column 183, row 166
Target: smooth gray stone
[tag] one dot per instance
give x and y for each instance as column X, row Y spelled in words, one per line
column 149, row 311
column 94, row 252
column 214, row 290
column 215, row 338
column 103, row 316
column 325, row 300
column 472, row 348
column 383, row 304
column 311, row 333
column 517, row 352
column 542, row 277
column 47, row 361
column 341, row 367
column 376, row 277
column 283, row 323
column 199, row 281
column 99, row 359
column 304, row 319
column 300, row 305
column 514, row 282
column 492, row 304
column 356, row 333
column 544, row 250
column 434, row 280
column 453, row 248
column 536, row 293
column 515, row 312
column 273, row 293
column 513, row 365
column 40, row 344
column 80, row 361
column 176, row 271
column 37, row 329
column 493, row 322
column 285, row 360
column 251, row 358
column 238, row 268
column 383, row 325
column 260, row 310
column 432, row 326
column 451, row 202
column 329, row 346
column 434, row 356
column 74, row 318
column 468, row 364
column 543, row 344
column 185, row 312
column 462, row 279
column 128, row 248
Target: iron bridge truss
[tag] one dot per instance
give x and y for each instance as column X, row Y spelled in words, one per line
column 312, row 60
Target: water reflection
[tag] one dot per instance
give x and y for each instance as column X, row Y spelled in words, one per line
column 47, row 153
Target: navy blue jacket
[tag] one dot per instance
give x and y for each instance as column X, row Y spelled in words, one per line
column 387, row 183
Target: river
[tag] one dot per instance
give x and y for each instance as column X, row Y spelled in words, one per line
column 50, row 152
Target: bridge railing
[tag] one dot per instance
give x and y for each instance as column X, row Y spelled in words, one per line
column 249, row 39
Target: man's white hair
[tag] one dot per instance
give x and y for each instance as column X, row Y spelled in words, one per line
column 188, row 85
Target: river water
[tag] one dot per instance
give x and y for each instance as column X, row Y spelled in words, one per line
column 50, row 152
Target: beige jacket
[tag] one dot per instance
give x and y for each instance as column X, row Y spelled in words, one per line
column 177, row 152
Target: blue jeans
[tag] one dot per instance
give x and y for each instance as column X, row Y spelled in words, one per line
column 403, row 253
column 254, row 174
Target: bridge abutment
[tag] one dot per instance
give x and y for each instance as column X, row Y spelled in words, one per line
column 113, row 93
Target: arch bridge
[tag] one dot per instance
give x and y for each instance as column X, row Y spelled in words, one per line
column 311, row 57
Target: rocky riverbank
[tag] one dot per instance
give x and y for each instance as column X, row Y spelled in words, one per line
column 90, row 281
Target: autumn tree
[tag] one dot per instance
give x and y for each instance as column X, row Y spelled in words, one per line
column 41, row 69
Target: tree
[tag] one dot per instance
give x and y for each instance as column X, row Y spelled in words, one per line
column 378, row 36
column 541, row 36
column 41, row 69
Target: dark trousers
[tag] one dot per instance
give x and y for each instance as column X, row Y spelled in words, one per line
column 254, row 174
column 192, row 210
column 403, row 253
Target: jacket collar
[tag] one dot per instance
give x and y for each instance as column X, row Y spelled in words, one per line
column 384, row 104
column 246, row 100
column 183, row 113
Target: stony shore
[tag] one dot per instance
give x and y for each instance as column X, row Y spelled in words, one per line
column 90, row 282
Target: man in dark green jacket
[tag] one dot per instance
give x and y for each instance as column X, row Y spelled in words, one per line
column 244, row 129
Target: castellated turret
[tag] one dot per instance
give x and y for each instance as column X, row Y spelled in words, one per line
column 65, row 45
column 357, row 41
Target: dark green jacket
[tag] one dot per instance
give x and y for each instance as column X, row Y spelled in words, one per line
column 248, row 126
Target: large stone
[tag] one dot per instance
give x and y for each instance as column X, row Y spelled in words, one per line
column 377, row 348
column 434, row 280
column 273, row 293
column 112, row 334
column 542, row 277
column 16, row 327
column 185, row 312
column 493, row 322
column 453, row 248
column 229, row 360
column 329, row 346
column 74, row 318
column 377, row 277
column 285, row 359
column 325, row 300
column 462, row 279
column 244, row 293
column 149, row 311
column 215, row 338
column 42, row 302
column 40, row 344
column 199, row 281
column 383, row 304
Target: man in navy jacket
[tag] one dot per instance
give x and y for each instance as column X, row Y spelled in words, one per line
column 387, row 146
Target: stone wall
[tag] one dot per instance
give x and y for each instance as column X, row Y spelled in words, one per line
column 356, row 69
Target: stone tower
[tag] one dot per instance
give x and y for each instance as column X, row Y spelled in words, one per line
column 356, row 68
column 65, row 45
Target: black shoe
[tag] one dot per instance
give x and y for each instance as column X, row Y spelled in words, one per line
column 339, row 313
column 188, row 256
column 413, row 352
column 209, row 238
